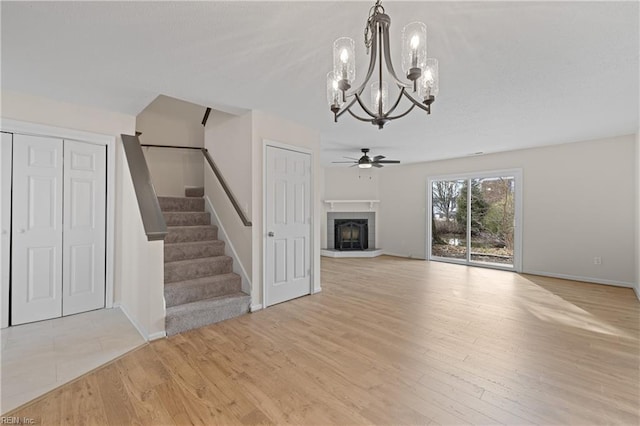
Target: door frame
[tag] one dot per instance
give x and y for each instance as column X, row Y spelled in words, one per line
column 7, row 187
column 517, row 246
column 109, row 141
column 269, row 143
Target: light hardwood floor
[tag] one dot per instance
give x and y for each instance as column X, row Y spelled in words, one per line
column 387, row 341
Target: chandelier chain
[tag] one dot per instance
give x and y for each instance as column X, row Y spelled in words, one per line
column 368, row 31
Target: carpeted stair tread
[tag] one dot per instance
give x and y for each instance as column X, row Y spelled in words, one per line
column 181, row 204
column 195, row 268
column 204, row 312
column 186, row 218
column 196, row 191
column 181, row 292
column 193, row 250
column 184, row 234
column 200, row 287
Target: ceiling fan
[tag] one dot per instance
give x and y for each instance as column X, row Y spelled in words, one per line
column 366, row 162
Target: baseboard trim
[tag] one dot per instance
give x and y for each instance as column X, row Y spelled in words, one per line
column 158, row 335
column 637, row 292
column 238, row 267
column 388, row 253
column 141, row 330
column 317, row 290
column 355, row 253
column 256, row 307
column 579, row 278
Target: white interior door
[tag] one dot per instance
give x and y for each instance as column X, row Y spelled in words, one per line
column 5, row 218
column 288, row 225
column 36, row 261
column 83, row 280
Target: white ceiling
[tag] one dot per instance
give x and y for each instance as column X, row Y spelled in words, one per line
column 512, row 74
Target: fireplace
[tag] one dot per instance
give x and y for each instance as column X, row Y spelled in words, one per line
column 351, row 234
column 356, row 240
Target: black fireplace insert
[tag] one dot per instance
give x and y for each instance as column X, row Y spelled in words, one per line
column 351, row 234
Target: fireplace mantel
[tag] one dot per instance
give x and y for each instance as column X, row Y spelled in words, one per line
column 370, row 202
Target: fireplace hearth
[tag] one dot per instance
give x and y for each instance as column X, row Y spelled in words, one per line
column 351, row 234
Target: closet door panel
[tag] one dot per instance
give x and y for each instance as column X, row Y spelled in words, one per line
column 36, row 264
column 84, row 227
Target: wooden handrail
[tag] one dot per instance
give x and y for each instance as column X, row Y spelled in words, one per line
column 216, row 171
column 226, row 188
column 169, row 146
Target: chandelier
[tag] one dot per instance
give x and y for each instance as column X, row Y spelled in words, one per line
column 421, row 72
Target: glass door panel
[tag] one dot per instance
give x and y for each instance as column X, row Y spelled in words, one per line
column 492, row 223
column 448, row 220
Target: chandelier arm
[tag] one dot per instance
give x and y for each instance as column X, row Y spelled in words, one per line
column 403, row 114
column 402, row 91
column 416, row 103
column 387, row 57
column 372, row 66
column 345, row 109
column 368, row 120
column 364, row 107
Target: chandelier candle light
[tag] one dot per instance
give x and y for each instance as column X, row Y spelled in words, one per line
column 421, row 72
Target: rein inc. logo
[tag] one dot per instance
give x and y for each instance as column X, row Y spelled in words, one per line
column 12, row 420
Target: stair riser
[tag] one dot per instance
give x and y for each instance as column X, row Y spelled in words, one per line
column 186, row 218
column 194, row 192
column 190, row 235
column 188, row 271
column 179, row 322
column 175, row 204
column 173, row 253
column 187, row 293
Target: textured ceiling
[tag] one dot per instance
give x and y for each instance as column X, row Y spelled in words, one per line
column 512, row 74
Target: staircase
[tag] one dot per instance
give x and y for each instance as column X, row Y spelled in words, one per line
column 199, row 285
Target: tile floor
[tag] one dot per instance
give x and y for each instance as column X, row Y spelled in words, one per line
column 41, row 356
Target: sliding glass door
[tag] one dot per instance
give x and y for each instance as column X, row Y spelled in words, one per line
column 448, row 227
column 473, row 219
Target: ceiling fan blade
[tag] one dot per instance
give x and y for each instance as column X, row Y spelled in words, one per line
column 389, row 161
column 349, row 162
column 354, row 165
column 376, row 164
column 378, row 157
column 351, row 158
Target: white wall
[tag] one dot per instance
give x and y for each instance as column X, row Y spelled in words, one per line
column 348, row 183
column 139, row 295
column 228, row 139
column 35, row 109
column 351, row 183
column 271, row 128
column 169, row 121
column 141, row 263
column 579, row 202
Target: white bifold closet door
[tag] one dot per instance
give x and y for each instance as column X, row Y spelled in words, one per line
column 36, row 255
column 83, row 271
column 58, row 228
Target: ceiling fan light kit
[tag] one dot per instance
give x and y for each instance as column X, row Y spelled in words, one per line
column 421, row 72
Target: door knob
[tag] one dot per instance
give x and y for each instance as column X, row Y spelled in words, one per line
column 270, row 234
